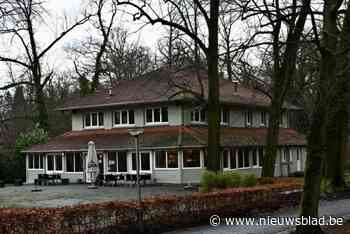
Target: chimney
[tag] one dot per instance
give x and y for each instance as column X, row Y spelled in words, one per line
column 235, row 85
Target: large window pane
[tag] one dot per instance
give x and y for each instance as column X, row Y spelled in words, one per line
column 79, row 162
column 156, row 115
column 233, row 159
column 191, row 158
column 145, row 162
column 58, row 159
column 30, row 161
column 164, row 114
column 117, row 118
column 50, row 162
column 112, row 161
column 160, row 159
column 124, row 117
column 261, row 156
column 240, row 158
column 87, row 120
column 225, row 158
column 94, row 119
column 254, row 157
column 70, row 162
column 122, row 163
column 149, row 116
column 42, row 161
column 131, row 117
column 133, row 159
column 246, row 158
column 100, row 119
column 172, row 159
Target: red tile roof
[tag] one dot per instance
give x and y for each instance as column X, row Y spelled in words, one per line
column 161, row 86
column 160, row 137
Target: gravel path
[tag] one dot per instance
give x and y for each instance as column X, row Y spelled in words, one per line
column 65, row 195
column 336, row 208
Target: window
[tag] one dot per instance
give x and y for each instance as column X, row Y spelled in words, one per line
column 35, row 161
column 117, row 162
column 286, row 155
column 225, row 157
column 261, row 156
column 191, row 158
column 233, row 159
column 54, row 162
column 74, row 162
column 255, row 158
column 248, row 118
column 124, row 117
column 263, row 121
column 224, row 116
column 145, row 161
column 243, row 158
column 94, row 120
column 198, row 116
column 166, row 159
column 157, row 115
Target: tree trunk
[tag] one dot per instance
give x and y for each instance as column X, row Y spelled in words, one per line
column 213, row 90
column 42, row 116
column 317, row 134
column 336, row 146
column 268, row 169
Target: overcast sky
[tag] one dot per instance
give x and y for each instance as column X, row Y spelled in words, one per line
column 57, row 58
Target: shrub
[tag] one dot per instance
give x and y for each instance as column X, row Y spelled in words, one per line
column 249, row 180
column 232, row 179
column 209, row 181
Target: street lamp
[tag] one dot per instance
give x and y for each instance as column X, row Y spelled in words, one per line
column 136, row 133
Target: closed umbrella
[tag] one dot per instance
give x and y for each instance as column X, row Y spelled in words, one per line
column 92, row 163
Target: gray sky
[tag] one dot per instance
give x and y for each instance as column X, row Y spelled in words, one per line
column 57, row 58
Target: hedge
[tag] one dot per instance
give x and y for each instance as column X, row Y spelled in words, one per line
column 158, row 213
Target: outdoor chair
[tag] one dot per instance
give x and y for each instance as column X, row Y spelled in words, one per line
column 109, row 179
column 100, row 180
column 145, row 177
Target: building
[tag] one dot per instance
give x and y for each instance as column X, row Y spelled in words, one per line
column 173, row 146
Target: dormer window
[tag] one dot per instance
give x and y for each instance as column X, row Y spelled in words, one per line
column 199, row 115
column 157, row 115
column 224, row 116
column 124, row 117
column 263, row 121
column 94, row 120
column 248, row 118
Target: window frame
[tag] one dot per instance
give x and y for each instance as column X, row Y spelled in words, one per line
column 121, row 124
column 90, row 114
column 116, row 155
column 75, row 154
column 140, row 157
column 32, row 157
column 161, row 112
column 198, row 111
column 166, row 160
column 54, row 163
column 201, row 160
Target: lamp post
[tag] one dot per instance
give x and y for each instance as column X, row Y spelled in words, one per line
column 136, row 133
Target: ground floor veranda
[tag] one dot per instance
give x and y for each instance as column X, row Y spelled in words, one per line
column 165, row 165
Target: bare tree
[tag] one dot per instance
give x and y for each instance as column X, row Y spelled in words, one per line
column 330, row 48
column 20, row 25
column 284, row 23
column 208, row 11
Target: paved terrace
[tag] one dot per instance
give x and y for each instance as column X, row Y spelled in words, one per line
column 64, row 195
